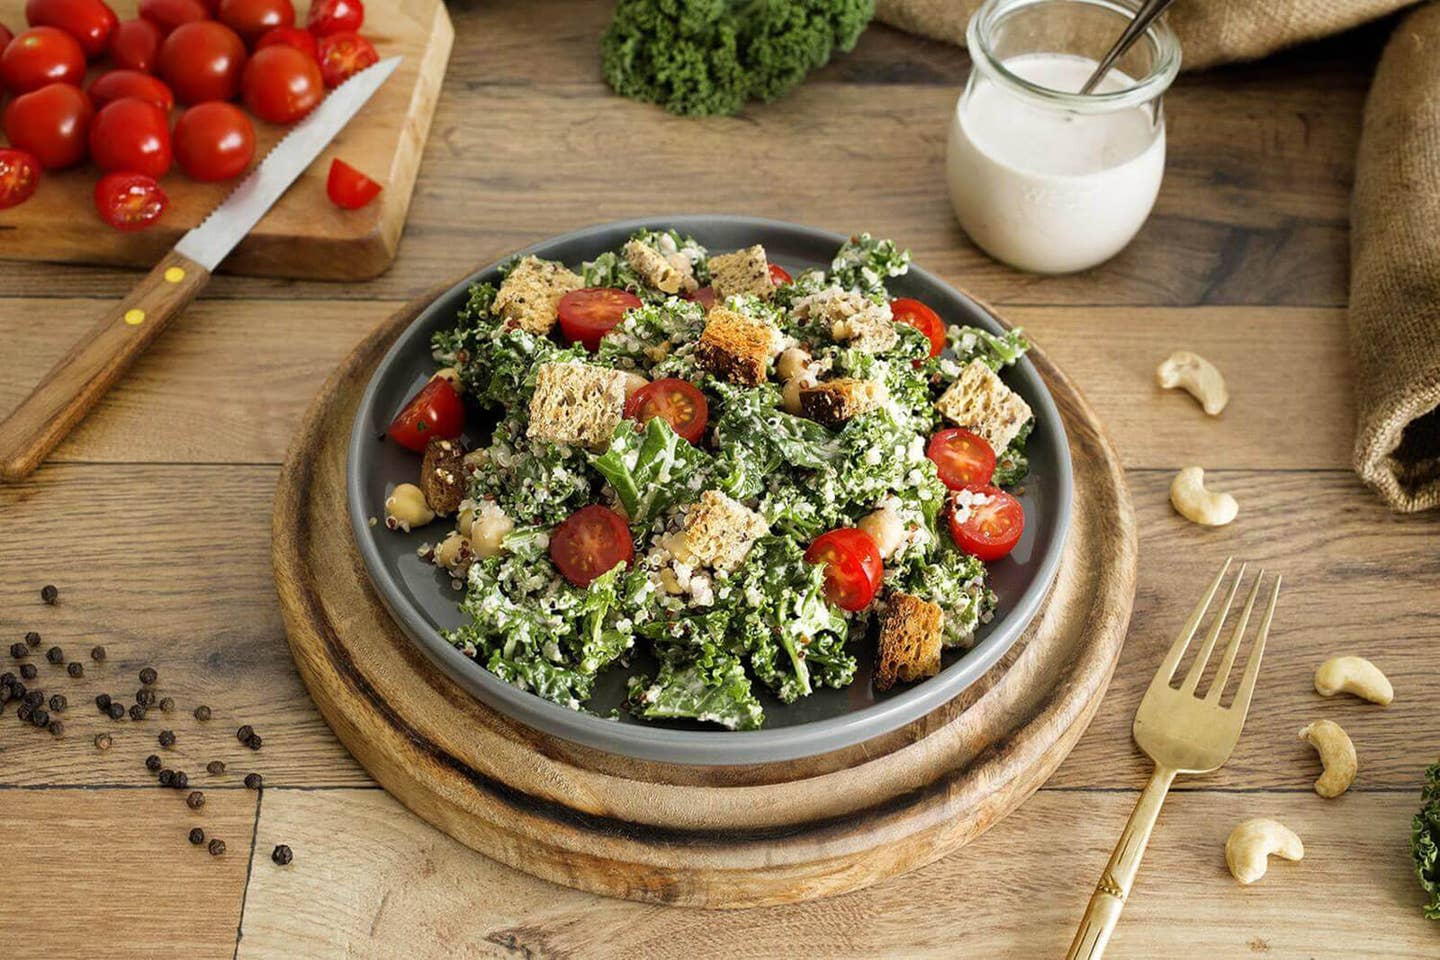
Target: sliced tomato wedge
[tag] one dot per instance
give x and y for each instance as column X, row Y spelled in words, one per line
column 853, row 568
column 587, row 315
column 779, row 275
column 589, row 542
column 922, row 318
column 680, row 402
column 961, row 457
column 436, row 411
column 985, row 521
column 129, row 201
column 19, row 176
column 348, row 188
column 705, row 296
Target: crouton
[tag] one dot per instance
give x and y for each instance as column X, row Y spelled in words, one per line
column 718, row 531
column 442, row 475
column 855, row 320
column 736, row 347
column 576, row 403
column 531, row 294
column 909, row 647
column 835, row 401
column 978, row 401
column 672, row 274
column 744, row 271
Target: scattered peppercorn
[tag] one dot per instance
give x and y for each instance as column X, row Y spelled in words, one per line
column 167, row 778
column 215, row 767
column 152, row 763
column 34, row 698
column 102, row 702
column 40, row 718
column 97, row 653
column 115, row 710
column 253, row 781
column 17, row 689
column 254, row 743
column 144, row 697
column 148, row 676
column 167, row 738
column 137, row 712
column 196, row 800
column 55, row 655
column 58, row 703
column 75, row 668
column 33, row 638
column 216, row 847
column 57, row 728
column 4, row 692
column 29, row 671
column 49, row 594
column 197, row 836
column 245, row 733
column 23, row 713
column 282, row 855
column 8, row 677
column 182, row 780
column 19, row 651
column 102, row 741
column 202, row 712
column 168, row 704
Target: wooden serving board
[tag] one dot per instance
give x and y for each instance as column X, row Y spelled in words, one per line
column 304, row 235
column 693, row 835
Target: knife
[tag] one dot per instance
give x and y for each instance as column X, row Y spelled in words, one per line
column 78, row 381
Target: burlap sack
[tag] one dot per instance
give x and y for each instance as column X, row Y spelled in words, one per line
column 1395, row 210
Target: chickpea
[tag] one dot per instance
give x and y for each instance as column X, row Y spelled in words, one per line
column 463, row 520
column 790, row 396
column 885, row 528
column 488, row 530
column 454, row 553
column 669, row 582
column 406, row 508
column 451, row 375
column 633, row 382
column 792, row 363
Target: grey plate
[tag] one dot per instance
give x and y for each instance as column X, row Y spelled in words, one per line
column 423, row 602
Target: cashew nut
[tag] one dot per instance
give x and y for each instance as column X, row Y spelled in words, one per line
column 1353, row 675
column 1250, row 844
column 1197, row 376
column 792, row 363
column 884, row 527
column 406, row 508
column 1198, row 505
column 1337, row 754
column 488, row 529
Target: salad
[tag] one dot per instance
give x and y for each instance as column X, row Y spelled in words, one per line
column 730, row 482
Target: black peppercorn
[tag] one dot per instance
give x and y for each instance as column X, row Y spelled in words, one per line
column 4, row 692
column 152, row 763
column 197, row 836
column 196, row 800
column 245, row 733
column 40, row 718
column 215, row 767
column 202, row 712
column 253, row 781
column 57, row 728
column 49, row 594
column 254, row 743
column 34, row 698
column 8, row 677
column 148, row 676
column 32, row 638
column 167, row 778
column 167, row 738
column 144, row 697
column 137, row 712
column 19, row 651
column 102, row 702
column 75, row 668
column 116, row 711
column 23, row 713
column 97, row 653
column 58, row 703
column 216, row 847
column 282, row 855
column 55, row 655
column 168, row 704
column 182, row 780
column 18, row 690
column 29, row 671
column 102, row 741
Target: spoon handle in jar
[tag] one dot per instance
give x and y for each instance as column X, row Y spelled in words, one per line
column 1148, row 11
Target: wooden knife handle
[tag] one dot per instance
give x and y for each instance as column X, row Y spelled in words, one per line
column 82, row 376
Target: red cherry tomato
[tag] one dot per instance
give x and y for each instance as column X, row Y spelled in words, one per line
column 281, row 84
column 213, row 141
column 119, row 84
column 251, row 18
column 779, row 275
column 922, row 318
column 302, row 40
column 335, row 16
column 342, row 55
column 19, row 176
column 169, row 14
column 986, row 530
column 679, row 402
column 853, row 568
column 589, row 542
column 90, row 22
column 587, row 315
column 348, row 188
column 203, row 61
column 129, row 201
column 50, row 123
column 436, row 411
column 705, row 296
column 41, row 56
column 961, row 457
column 131, row 135
column 5, row 36
column 135, row 45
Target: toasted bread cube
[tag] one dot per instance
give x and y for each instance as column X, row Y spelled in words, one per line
column 736, row 347
column 835, row 401
column 857, row 321
column 978, row 401
column 442, row 475
column 909, row 647
column 672, row 274
column 531, row 294
column 718, row 531
column 576, row 403
column 744, row 271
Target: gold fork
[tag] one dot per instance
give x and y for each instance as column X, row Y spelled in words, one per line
column 1183, row 733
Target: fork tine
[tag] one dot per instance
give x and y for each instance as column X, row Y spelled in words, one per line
column 1177, row 649
column 1252, row 669
column 1202, row 656
column 1222, row 675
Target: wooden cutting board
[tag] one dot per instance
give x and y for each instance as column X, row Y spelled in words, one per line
column 304, row 235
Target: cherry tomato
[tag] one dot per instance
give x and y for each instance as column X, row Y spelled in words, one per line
column 19, row 176
column 435, row 412
column 302, row 40
column 5, row 36
column 961, row 457
column 213, row 141
column 587, row 315
column 922, row 318
column 705, row 296
column 335, row 16
column 281, row 84
column 119, row 84
column 135, row 45
column 50, row 123
column 779, row 276
column 131, row 135
column 853, row 568
column 40, row 56
column 203, row 61
column 342, row 55
column 589, row 542
column 251, row 18
column 986, row 530
column 129, row 201
column 679, row 402
column 169, row 14
column 90, row 22
column 348, row 188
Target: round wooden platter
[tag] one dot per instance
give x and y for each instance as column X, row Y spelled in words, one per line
column 693, row 835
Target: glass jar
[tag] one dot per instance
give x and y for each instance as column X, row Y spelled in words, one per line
column 1040, row 176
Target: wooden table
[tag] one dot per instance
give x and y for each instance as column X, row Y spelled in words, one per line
column 153, row 520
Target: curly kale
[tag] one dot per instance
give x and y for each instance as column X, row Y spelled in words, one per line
column 1425, row 840
column 707, row 57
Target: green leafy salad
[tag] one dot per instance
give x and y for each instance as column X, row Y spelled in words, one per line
column 730, row 483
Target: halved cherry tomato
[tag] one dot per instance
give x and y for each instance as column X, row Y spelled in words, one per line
column 853, row 568
column 131, row 135
column 202, row 61
column 705, row 296
column 335, row 16
column 50, row 123
column 135, row 45
column 679, row 402
column 5, row 36
column 41, row 56
column 589, row 542
column 169, row 14
column 213, row 141
column 779, row 275
column 129, row 201
column 90, row 22
column 119, row 84
column 986, row 530
column 435, row 412
column 922, row 318
column 342, row 55
column 281, row 84
column 302, row 40
column 961, row 457
column 348, row 188
column 19, row 176
column 587, row 315
column 251, row 18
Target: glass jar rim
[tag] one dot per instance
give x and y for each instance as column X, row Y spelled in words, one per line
column 1166, row 45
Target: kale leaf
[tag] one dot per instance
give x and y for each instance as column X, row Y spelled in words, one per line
column 1425, row 840
column 651, row 470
